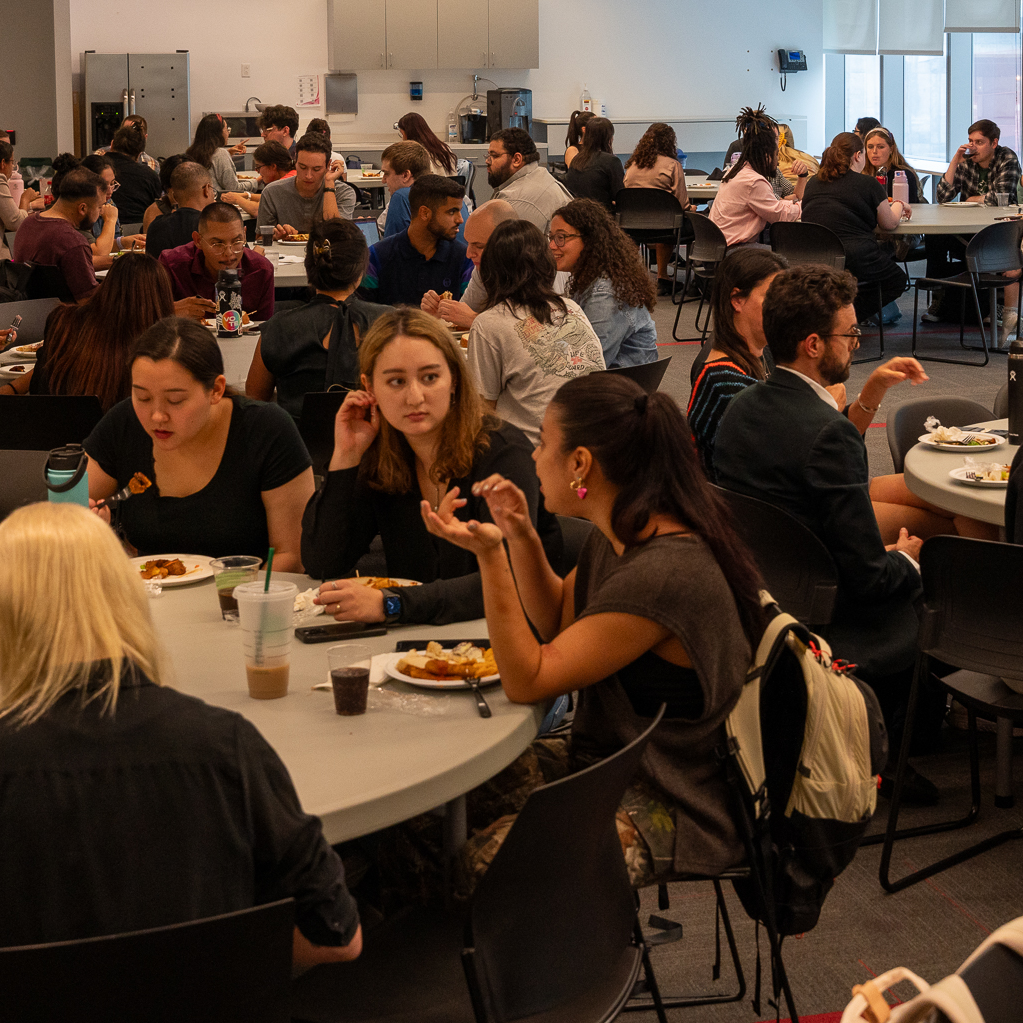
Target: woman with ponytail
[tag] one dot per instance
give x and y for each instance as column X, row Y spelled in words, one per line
column 662, row 607
column 746, row 202
column 315, row 347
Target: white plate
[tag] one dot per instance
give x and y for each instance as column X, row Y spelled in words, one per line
column 960, row 204
column 960, row 448
column 8, row 372
column 960, row 476
column 197, row 564
column 13, row 355
column 293, row 245
column 428, row 683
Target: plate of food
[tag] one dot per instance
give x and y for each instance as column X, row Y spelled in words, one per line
column 174, row 569
column 21, row 353
column 383, row 582
column 293, row 239
column 437, row 668
column 988, row 474
column 951, row 438
column 16, row 369
column 371, row 173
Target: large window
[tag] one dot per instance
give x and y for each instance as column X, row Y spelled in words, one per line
column 862, row 88
column 996, row 83
column 925, row 124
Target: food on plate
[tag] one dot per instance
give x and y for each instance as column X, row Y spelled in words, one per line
column 992, row 472
column 440, row 665
column 295, row 238
column 953, row 435
column 139, row 483
column 161, row 568
column 16, row 369
column 29, row 349
column 382, row 582
column 372, row 173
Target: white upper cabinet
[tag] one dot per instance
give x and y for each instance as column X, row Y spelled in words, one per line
column 411, row 34
column 515, row 33
column 463, row 33
column 356, row 35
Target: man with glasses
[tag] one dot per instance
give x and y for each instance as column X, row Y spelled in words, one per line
column 194, row 191
column 280, row 124
column 515, row 175
column 218, row 244
column 786, row 441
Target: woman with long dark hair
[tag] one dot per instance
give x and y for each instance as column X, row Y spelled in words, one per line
column 527, row 340
column 207, row 150
column 576, row 133
column 854, row 205
column 628, row 627
column 735, row 359
column 230, row 475
column 746, row 202
column 596, row 173
column 88, row 347
column 166, row 203
column 413, row 128
column 316, row 347
column 415, row 430
column 654, row 164
column 608, row 281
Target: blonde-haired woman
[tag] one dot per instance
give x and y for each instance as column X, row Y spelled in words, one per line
column 416, row 431
column 124, row 804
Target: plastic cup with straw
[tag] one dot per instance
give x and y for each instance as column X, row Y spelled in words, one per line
column 266, row 610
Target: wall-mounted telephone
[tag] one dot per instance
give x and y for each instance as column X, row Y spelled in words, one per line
column 790, row 61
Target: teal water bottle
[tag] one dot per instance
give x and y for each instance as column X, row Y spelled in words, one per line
column 67, row 480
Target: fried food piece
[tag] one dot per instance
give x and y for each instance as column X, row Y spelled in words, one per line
column 446, row 296
column 139, row 483
column 439, row 665
column 160, row 568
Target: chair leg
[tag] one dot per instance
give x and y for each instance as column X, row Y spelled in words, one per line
column 962, row 342
column 650, row 977
column 880, row 334
column 891, row 832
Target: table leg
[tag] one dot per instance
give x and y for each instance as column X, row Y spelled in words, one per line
column 1003, row 764
column 456, row 827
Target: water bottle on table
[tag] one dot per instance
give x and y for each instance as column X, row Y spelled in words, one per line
column 67, row 481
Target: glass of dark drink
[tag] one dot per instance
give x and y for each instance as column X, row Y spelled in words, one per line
column 349, row 674
column 228, row 573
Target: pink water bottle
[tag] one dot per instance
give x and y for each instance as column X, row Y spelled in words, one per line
column 16, row 183
column 900, row 187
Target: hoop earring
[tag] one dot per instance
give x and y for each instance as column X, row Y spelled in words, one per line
column 577, row 486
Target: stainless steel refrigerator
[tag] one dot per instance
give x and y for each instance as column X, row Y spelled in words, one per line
column 154, row 85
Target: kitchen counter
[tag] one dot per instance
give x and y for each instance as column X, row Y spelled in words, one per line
column 377, row 143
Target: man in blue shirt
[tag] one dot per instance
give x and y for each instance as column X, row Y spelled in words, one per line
column 426, row 257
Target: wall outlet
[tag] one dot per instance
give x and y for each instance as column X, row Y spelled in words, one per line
column 246, row 70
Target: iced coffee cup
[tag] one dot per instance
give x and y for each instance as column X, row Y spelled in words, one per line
column 266, row 620
column 349, row 675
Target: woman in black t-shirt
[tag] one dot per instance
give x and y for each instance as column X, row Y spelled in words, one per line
column 315, row 347
column 596, row 173
column 229, row 475
column 852, row 205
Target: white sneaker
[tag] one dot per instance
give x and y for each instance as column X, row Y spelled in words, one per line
column 931, row 316
column 1009, row 320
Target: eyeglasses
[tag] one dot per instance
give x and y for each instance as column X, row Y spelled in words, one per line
column 236, row 246
column 494, row 156
column 114, row 185
column 558, row 240
column 854, row 335
column 266, row 131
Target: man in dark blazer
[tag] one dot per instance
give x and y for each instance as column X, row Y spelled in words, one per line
column 785, row 441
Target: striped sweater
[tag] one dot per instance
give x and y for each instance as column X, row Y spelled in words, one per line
column 719, row 381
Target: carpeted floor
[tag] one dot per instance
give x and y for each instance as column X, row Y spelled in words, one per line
column 931, row 927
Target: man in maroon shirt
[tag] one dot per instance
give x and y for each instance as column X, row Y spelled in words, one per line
column 219, row 244
column 53, row 237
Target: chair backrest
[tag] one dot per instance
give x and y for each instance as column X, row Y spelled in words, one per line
column 647, row 209
column 234, row 968
column 996, row 248
column 48, row 282
column 316, row 425
column 469, row 173
column 574, row 533
column 9, row 239
column 797, row 568
column 132, row 228
column 40, row 422
column 692, row 172
column 803, row 243
column 33, row 315
column 907, row 424
column 709, row 245
column 1001, row 407
column 648, row 375
column 555, row 912
column 22, row 475
column 973, row 604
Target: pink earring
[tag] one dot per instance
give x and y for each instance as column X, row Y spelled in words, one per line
column 577, row 486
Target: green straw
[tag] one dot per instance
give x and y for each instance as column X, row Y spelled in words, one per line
column 269, row 569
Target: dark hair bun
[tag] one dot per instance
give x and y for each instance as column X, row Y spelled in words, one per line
column 65, row 162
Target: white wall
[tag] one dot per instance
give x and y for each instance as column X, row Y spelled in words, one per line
column 643, row 58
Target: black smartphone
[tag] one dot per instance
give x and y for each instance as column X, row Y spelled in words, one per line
column 338, row 632
column 404, row 645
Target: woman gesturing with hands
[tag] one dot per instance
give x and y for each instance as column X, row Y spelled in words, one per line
column 628, row 626
column 416, row 431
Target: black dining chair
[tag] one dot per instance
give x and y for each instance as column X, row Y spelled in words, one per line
column 1001, row 406
column 801, row 243
column 22, row 475
column 551, row 934
column 316, row 425
column 798, row 569
column 33, row 313
column 40, row 422
column 234, row 968
column 907, row 423
column 971, row 619
column 703, row 254
column 648, row 376
column 989, row 254
column 649, row 216
column 47, row 282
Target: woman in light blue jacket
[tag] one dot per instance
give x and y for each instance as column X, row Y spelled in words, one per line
column 608, row 281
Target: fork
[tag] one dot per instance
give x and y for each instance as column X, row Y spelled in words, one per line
column 481, row 704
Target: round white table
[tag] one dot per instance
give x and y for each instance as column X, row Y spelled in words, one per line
column 932, row 218
column 927, row 475
column 357, row 774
